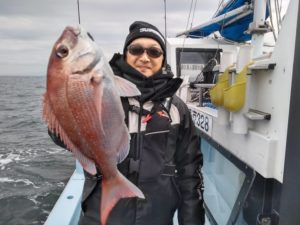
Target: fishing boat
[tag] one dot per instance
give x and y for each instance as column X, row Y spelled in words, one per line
column 242, row 95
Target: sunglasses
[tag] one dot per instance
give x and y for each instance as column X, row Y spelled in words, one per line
column 138, row 50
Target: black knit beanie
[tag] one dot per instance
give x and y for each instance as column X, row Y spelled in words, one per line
column 143, row 29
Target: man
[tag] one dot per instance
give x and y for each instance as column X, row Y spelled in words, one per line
column 164, row 160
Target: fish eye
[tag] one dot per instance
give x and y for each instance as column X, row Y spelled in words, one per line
column 91, row 37
column 62, row 51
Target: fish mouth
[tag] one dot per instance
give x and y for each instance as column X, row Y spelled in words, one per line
column 79, row 31
column 76, row 31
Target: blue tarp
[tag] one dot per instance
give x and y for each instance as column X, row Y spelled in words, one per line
column 235, row 31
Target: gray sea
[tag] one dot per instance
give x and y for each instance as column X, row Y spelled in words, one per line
column 33, row 170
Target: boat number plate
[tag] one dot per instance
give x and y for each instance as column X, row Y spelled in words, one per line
column 202, row 121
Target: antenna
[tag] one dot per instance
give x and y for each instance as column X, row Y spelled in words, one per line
column 78, row 8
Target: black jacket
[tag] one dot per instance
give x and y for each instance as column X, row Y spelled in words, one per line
column 164, row 160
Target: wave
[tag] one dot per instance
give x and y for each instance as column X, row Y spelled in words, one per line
column 11, row 157
column 24, row 181
column 25, row 124
column 33, row 170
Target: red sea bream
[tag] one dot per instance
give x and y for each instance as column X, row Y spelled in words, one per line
column 82, row 106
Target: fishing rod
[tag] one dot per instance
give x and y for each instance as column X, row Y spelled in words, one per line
column 165, row 7
column 78, row 10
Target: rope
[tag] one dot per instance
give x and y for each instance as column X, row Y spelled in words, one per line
column 192, row 21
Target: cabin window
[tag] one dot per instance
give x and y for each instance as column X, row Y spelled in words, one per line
column 191, row 61
column 227, row 182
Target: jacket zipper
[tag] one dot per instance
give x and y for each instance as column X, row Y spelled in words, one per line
column 138, row 153
column 138, row 149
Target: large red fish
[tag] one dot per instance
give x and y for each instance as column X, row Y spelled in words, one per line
column 82, row 106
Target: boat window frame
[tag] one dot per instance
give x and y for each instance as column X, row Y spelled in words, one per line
column 250, row 175
column 196, row 50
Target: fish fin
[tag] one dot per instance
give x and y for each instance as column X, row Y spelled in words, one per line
column 98, row 98
column 87, row 164
column 49, row 117
column 55, row 127
column 124, row 147
column 113, row 190
column 123, row 154
column 125, row 87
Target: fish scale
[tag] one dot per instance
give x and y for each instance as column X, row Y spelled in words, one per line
column 87, row 118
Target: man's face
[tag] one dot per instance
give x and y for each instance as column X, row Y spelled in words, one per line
column 145, row 62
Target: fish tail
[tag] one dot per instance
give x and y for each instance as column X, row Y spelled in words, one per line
column 113, row 190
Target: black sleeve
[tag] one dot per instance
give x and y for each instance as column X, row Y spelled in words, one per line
column 56, row 139
column 189, row 161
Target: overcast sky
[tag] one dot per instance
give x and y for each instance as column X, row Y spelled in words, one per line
column 29, row 28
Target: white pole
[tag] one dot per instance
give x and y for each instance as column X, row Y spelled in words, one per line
column 227, row 59
column 260, row 7
column 218, row 19
column 239, row 121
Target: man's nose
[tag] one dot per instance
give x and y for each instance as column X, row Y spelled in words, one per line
column 145, row 57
